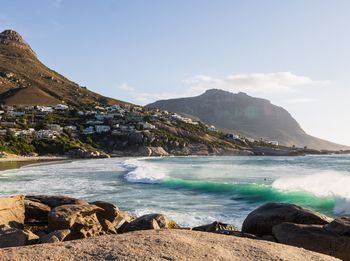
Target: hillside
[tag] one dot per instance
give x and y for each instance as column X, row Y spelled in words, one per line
column 241, row 113
column 24, row 80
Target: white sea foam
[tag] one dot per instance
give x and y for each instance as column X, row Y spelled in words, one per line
column 325, row 184
column 142, row 171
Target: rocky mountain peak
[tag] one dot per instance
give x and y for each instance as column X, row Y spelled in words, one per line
column 12, row 38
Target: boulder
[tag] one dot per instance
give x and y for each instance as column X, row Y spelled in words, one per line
column 12, row 211
column 35, row 211
column 80, row 219
column 260, row 221
column 215, row 227
column 150, row 221
column 108, row 227
column 110, row 212
column 314, row 238
column 55, row 236
column 12, row 237
column 340, row 226
column 55, row 201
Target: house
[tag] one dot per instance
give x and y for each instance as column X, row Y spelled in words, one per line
column 102, row 128
column 251, row 140
column 46, row 134
column 233, row 136
column 89, row 130
column 3, row 132
column 61, row 107
column 147, row 126
column 15, row 113
column 55, row 127
column 44, row 108
column 93, row 122
column 273, row 142
column 212, row 128
column 70, row 128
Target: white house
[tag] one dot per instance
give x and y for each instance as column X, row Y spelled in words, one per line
column 212, row 128
column 55, row 127
column 70, row 128
column 89, row 130
column 102, row 128
column 44, row 108
column 46, row 134
column 61, row 107
column 273, row 142
column 233, row 136
column 147, row 126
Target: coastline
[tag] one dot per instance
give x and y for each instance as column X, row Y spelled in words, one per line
column 15, row 162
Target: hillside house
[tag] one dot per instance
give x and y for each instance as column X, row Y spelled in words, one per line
column 102, row 128
column 89, row 130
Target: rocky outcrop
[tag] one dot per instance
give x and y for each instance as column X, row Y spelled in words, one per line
column 11, row 237
column 340, row 226
column 55, row 236
column 56, row 201
column 36, row 211
column 314, row 238
column 171, row 244
column 86, row 154
column 150, row 221
column 12, row 211
column 215, row 227
column 81, row 220
column 261, row 221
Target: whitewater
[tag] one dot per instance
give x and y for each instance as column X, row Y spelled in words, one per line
column 193, row 190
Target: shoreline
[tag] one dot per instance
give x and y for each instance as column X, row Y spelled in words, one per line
column 16, row 162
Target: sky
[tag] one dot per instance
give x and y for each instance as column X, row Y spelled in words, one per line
column 295, row 53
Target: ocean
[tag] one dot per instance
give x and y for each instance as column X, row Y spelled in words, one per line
column 193, row 190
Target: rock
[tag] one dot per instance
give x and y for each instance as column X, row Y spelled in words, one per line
column 55, row 201
column 80, row 219
column 12, row 211
column 55, row 236
column 215, row 226
column 260, row 221
column 110, row 212
column 108, row 226
column 35, row 211
column 11, row 237
column 314, row 238
column 340, row 226
column 151, row 221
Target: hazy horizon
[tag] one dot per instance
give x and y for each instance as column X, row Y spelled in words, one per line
column 292, row 53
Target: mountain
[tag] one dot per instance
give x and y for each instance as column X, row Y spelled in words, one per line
column 24, row 80
column 250, row 116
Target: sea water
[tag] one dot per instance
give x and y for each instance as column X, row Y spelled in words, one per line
column 194, row 190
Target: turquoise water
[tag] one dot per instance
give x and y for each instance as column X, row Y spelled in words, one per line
column 194, row 190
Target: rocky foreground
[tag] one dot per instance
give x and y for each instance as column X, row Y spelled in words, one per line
column 109, row 233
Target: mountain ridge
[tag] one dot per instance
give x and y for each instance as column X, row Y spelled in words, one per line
column 246, row 115
column 21, row 73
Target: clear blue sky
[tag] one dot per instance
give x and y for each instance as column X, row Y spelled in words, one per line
column 295, row 53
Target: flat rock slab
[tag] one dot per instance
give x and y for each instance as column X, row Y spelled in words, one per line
column 162, row 245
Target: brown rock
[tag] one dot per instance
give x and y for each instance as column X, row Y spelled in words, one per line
column 108, row 226
column 12, row 211
column 11, row 237
column 55, row 236
column 55, row 201
column 260, row 221
column 340, row 226
column 110, row 212
column 314, row 238
column 215, row 227
column 80, row 219
column 35, row 211
column 151, row 221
